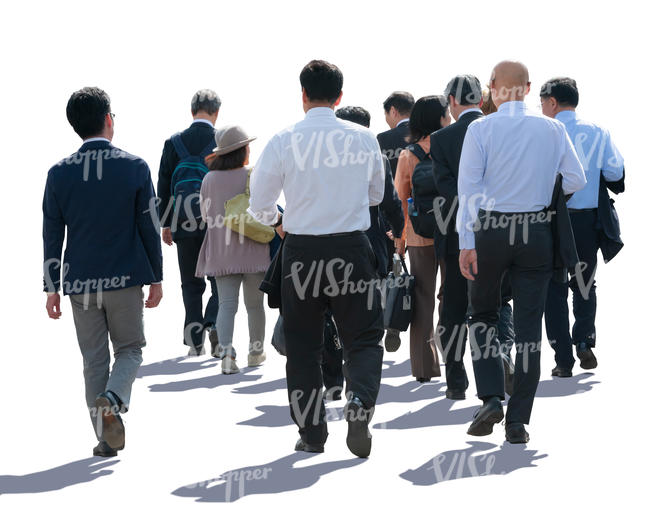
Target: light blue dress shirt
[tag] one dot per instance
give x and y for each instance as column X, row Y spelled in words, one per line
column 509, row 163
column 596, row 152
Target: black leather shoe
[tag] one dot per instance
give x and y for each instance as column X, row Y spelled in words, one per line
column 516, row 433
column 104, row 450
column 561, row 372
column 490, row 413
column 111, row 427
column 455, row 395
column 423, row 379
column 392, row 341
column 509, row 375
column 586, row 356
column 301, row 445
column 359, row 439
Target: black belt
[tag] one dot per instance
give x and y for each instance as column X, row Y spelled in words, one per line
column 330, row 235
column 588, row 210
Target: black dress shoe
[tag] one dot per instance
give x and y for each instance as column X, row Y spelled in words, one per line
column 111, row 427
column 561, row 372
column 392, row 341
column 455, row 395
column 359, row 439
column 104, row 450
column 490, row 413
column 516, row 433
column 586, row 356
column 423, row 379
column 509, row 375
column 301, row 445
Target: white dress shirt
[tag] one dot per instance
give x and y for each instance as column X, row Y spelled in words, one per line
column 509, row 163
column 330, row 170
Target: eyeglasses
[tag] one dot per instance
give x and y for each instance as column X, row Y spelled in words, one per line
column 112, row 115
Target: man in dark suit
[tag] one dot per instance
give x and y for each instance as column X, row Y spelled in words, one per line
column 198, row 140
column 103, row 198
column 397, row 109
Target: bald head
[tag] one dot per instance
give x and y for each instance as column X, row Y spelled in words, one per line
column 509, row 82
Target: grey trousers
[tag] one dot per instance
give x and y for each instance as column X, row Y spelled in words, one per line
column 228, row 290
column 117, row 313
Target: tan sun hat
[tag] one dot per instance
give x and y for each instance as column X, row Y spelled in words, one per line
column 230, row 138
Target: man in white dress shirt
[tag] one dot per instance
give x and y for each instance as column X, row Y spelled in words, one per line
column 331, row 171
column 506, row 177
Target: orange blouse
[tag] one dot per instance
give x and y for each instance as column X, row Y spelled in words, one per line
column 405, row 165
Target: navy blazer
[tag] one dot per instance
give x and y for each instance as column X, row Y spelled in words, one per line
column 104, row 199
column 392, row 142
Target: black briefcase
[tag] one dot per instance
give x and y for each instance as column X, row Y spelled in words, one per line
column 272, row 282
column 398, row 309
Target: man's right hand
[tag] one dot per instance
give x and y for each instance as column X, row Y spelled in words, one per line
column 155, row 295
column 167, row 236
column 400, row 246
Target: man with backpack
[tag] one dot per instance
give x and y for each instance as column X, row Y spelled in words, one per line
column 182, row 169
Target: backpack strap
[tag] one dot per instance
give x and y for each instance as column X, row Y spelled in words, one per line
column 179, row 146
column 419, row 152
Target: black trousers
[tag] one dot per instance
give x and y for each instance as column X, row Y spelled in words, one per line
column 527, row 254
column 332, row 365
column 583, row 286
column 452, row 329
column 196, row 321
column 316, row 276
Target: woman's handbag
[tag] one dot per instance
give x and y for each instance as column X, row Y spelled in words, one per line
column 399, row 297
column 237, row 218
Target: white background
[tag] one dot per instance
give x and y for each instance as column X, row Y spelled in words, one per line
column 591, row 446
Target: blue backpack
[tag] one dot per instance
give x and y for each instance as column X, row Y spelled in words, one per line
column 186, row 180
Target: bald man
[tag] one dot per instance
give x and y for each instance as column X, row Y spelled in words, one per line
column 506, row 177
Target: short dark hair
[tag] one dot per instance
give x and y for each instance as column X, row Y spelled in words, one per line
column 322, row 81
column 425, row 117
column 466, row 89
column 401, row 100
column 562, row 89
column 87, row 110
column 229, row 161
column 354, row 114
column 205, row 100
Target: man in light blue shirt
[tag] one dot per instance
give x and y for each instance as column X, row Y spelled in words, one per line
column 507, row 171
column 598, row 155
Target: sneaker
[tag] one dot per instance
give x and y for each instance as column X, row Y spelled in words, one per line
column 218, row 352
column 214, row 343
column 196, row 352
column 255, row 360
column 229, row 365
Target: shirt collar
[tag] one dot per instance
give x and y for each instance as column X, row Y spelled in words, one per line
column 90, row 140
column 320, row 111
column 202, row 120
column 514, row 106
column 404, row 120
column 470, row 110
column 566, row 116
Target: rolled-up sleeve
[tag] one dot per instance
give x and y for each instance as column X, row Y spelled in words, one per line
column 266, row 184
column 570, row 168
column 470, row 189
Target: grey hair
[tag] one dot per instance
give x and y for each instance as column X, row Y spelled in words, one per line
column 205, row 100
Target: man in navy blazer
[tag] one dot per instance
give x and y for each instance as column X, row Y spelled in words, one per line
column 102, row 201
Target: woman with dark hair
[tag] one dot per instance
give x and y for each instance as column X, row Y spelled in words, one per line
column 429, row 114
column 228, row 256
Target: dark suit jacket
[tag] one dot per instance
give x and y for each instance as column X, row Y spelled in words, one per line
column 610, row 239
column 389, row 210
column 196, row 137
column 565, row 254
column 105, row 200
column 446, row 147
column 392, row 142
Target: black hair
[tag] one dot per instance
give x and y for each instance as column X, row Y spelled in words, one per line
column 205, row 100
column 562, row 89
column 87, row 110
column 229, row 161
column 401, row 100
column 426, row 115
column 354, row 114
column 322, row 81
column 466, row 89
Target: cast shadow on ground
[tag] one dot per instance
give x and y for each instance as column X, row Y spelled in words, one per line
column 394, row 369
column 279, row 416
column 472, row 461
column 174, row 366
column 270, row 478
column 74, row 473
column 439, row 413
column 269, row 386
column 564, row 386
column 209, row 382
